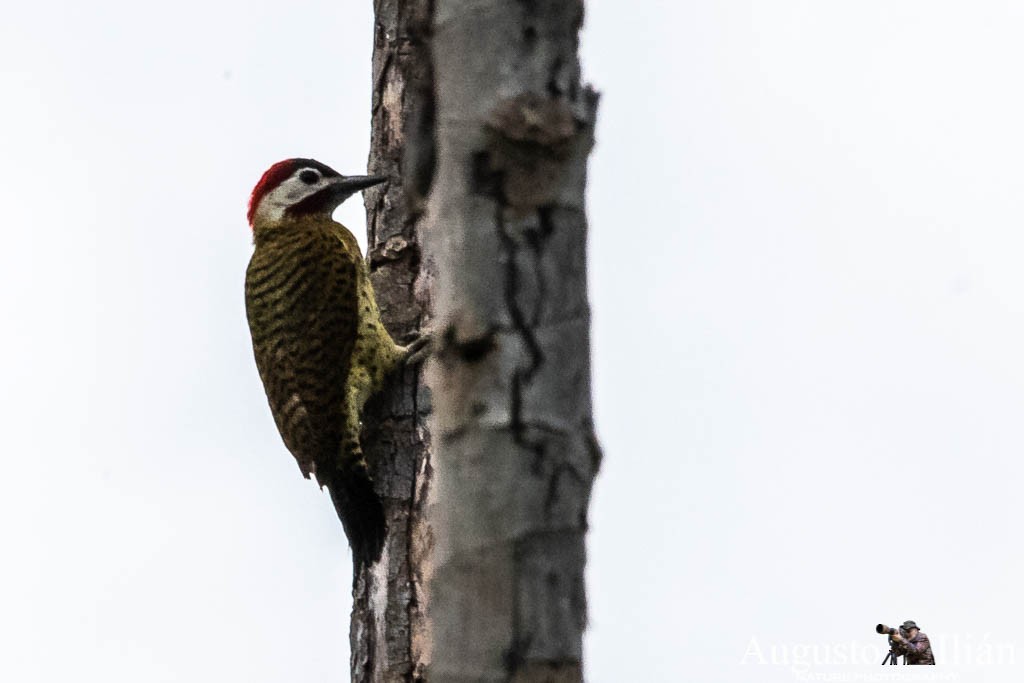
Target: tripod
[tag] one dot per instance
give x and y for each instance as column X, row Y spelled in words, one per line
column 891, row 658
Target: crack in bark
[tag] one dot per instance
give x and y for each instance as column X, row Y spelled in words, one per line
column 378, row 85
column 413, row 604
column 536, row 239
column 522, row 327
column 561, row 469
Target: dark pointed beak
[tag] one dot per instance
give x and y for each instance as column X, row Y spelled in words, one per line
column 344, row 187
column 349, row 185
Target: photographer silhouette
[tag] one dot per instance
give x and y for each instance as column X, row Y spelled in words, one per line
column 909, row 641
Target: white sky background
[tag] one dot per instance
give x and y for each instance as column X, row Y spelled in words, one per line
column 808, row 331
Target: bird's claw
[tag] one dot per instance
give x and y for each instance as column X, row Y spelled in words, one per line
column 418, row 349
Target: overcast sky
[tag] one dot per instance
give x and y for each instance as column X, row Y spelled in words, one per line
column 805, row 266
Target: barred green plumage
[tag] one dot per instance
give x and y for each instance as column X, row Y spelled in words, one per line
column 320, row 347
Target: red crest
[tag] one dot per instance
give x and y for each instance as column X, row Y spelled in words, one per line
column 274, row 176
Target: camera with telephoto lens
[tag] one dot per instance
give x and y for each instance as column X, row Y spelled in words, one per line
column 894, row 647
column 890, row 631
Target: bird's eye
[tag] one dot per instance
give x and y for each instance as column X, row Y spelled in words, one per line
column 309, row 176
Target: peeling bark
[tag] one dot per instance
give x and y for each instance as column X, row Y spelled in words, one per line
column 388, row 634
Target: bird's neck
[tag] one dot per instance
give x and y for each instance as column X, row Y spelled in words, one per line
column 269, row 231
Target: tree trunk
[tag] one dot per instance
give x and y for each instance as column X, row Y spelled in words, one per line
column 479, row 110
column 514, row 451
column 388, row 635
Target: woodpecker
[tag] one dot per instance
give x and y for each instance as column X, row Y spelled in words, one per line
column 320, row 347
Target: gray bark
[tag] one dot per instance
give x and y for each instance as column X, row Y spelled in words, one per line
column 479, row 109
column 514, row 451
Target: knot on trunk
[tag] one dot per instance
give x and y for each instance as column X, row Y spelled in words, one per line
column 531, row 139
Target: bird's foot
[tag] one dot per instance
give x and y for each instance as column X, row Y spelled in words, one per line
column 417, row 350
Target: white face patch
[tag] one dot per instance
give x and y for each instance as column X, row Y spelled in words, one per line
column 300, row 185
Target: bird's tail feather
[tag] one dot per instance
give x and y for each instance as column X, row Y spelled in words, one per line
column 361, row 511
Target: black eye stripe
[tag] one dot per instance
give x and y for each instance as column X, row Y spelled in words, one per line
column 309, row 176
